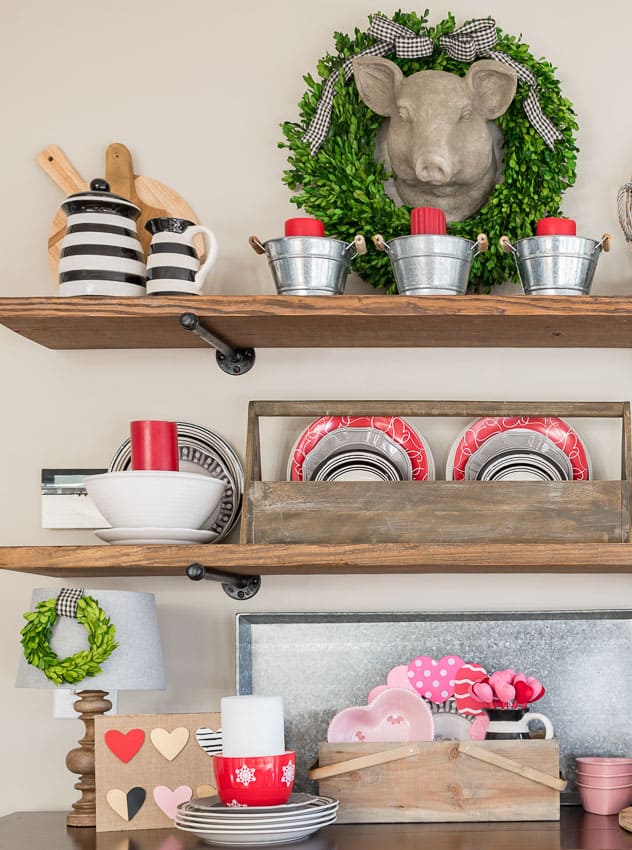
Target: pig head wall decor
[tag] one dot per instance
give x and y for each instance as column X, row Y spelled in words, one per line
column 440, row 140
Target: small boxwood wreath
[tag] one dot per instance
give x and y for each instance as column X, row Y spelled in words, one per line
column 37, row 649
column 343, row 185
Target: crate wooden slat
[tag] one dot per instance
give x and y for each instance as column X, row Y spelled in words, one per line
column 443, row 512
column 437, row 512
column 347, row 321
column 441, row 785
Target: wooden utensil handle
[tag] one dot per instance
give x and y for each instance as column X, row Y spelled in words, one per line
column 349, row 765
column 482, row 754
column 119, row 171
column 60, row 170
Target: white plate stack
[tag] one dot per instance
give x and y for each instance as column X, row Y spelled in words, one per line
column 215, row 823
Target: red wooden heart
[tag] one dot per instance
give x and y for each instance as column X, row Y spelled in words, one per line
column 524, row 693
column 124, row 745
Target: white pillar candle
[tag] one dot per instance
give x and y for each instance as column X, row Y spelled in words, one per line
column 252, row 726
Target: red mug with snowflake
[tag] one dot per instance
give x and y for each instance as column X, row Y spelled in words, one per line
column 255, row 780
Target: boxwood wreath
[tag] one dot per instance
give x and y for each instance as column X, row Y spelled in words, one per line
column 37, row 649
column 343, row 185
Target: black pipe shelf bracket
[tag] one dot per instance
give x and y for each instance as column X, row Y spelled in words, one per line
column 233, row 361
column 235, row 586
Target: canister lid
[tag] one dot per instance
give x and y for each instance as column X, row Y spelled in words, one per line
column 100, row 199
column 556, row 227
column 304, row 227
column 428, row 220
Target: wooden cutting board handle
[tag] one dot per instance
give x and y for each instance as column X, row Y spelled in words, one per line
column 60, row 170
column 119, row 172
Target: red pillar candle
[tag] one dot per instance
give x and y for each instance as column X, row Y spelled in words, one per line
column 154, row 444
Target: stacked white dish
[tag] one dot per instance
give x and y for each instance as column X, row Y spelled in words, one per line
column 203, row 452
column 215, row 823
column 155, row 506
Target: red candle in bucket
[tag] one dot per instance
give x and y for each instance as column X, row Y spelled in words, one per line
column 427, row 220
column 556, row 227
column 154, row 445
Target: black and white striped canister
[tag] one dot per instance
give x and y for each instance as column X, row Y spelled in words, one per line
column 100, row 252
column 173, row 266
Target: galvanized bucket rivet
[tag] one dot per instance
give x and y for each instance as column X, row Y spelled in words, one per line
column 431, row 264
column 309, row 265
column 556, row 264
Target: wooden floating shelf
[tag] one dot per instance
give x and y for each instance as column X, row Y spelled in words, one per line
column 357, row 559
column 347, row 321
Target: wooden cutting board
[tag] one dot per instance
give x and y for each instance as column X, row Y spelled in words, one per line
column 153, row 197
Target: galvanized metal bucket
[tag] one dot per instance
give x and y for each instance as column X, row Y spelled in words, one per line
column 431, row 264
column 556, row 265
column 309, row 265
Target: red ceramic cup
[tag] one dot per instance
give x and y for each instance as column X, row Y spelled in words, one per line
column 556, row 227
column 304, row 227
column 255, row 780
column 154, row 445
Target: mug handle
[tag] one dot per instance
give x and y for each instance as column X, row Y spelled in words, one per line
column 211, row 252
column 544, row 720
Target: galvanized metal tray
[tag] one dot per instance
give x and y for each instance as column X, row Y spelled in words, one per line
column 321, row 663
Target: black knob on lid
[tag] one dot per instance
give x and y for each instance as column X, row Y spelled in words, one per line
column 100, row 185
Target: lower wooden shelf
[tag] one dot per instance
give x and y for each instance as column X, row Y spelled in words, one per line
column 356, row 559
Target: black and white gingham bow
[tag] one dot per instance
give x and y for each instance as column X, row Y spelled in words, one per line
column 472, row 40
column 66, row 602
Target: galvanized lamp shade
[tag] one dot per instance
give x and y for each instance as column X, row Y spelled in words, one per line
column 136, row 664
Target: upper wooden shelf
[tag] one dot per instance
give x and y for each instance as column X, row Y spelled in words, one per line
column 347, row 321
column 356, row 559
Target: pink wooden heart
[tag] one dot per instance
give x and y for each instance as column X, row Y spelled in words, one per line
column 397, row 678
column 434, row 680
column 465, row 678
column 478, row 727
column 168, row 800
column 396, row 714
column 538, row 688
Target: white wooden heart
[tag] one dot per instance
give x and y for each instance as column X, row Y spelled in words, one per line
column 169, row 744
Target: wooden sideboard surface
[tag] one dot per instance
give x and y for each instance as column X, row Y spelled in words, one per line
column 576, row 830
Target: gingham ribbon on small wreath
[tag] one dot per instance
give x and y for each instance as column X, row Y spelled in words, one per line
column 66, row 601
column 471, row 41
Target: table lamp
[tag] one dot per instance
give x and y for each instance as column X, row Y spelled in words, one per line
column 135, row 664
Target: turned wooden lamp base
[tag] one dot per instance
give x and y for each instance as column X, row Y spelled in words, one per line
column 81, row 759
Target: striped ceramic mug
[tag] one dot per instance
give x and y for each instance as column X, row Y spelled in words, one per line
column 100, row 252
column 173, row 266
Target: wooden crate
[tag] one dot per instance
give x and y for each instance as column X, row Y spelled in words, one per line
column 440, row 783
column 340, row 512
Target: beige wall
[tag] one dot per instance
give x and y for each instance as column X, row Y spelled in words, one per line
column 197, row 91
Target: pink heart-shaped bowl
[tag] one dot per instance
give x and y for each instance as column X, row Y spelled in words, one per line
column 255, row 780
column 393, row 715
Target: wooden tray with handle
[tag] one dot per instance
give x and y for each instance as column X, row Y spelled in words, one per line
column 154, row 198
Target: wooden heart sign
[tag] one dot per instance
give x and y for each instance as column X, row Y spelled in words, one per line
column 124, row 745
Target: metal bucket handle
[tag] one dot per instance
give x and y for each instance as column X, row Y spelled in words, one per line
column 380, row 243
column 257, row 245
column 603, row 244
column 481, row 245
column 358, row 246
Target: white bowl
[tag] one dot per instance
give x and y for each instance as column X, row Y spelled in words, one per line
column 155, row 499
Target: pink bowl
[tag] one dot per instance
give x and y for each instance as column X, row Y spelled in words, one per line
column 604, row 801
column 605, row 761
column 604, row 781
column 594, row 775
column 255, row 780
